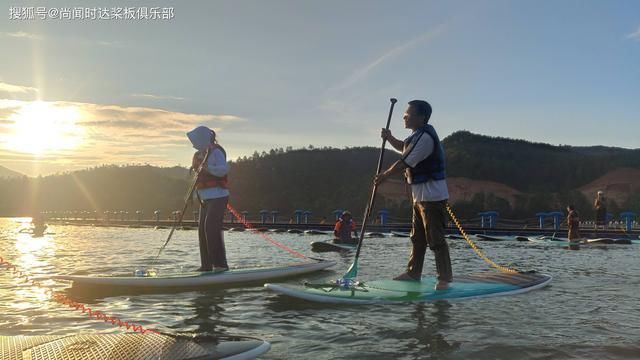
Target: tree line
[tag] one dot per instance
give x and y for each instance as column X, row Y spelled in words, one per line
column 324, row 179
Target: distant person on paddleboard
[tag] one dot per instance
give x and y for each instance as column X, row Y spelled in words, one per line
column 573, row 222
column 39, row 226
column 213, row 194
column 343, row 229
column 424, row 166
column 600, row 205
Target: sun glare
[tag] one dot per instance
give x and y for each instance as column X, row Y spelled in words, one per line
column 40, row 127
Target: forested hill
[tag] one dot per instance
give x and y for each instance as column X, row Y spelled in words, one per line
column 324, row 179
column 320, row 180
column 8, row 173
column 532, row 167
column 104, row 188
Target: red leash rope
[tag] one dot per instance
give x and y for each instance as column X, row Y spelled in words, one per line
column 250, row 226
column 63, row 299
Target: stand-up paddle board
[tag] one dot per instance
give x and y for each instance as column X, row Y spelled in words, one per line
column 549, row 240
column 496, row 237
column 460, row 237
column 566, row 242
column 329, row 245
column 374, row 234
column 387, row 291
column 610, row 241
column 195, row 279
column 130, row 346
column 400, row 234
column 316, row 232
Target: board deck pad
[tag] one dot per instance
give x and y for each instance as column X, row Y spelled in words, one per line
column 463, row 287
column 128, row 346
column 200, row 278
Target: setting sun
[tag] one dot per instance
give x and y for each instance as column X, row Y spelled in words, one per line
column 41, row 127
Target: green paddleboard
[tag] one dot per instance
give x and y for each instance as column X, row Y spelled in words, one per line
column 384, row 291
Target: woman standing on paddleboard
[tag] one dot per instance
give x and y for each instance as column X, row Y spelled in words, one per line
column 210, row 164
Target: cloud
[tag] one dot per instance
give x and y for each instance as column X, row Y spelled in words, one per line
column 635, row 35
column 22, row 35
column 110, row 134
column 157, row 97
column 110, row 43
column 17, row 89
column 145, row 118
column 363, row 72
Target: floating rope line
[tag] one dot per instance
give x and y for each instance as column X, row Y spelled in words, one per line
column 250, row 226
column 61, row 298
column 475, row 247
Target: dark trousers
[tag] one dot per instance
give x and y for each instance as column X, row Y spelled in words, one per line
column 429, row 219
column 212, row 252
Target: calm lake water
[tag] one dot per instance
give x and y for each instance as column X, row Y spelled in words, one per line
column 591, row 310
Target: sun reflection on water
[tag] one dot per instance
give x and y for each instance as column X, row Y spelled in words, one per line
column 30, row 247
column 32, row 256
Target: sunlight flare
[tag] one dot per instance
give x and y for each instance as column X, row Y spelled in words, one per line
column 40, row 127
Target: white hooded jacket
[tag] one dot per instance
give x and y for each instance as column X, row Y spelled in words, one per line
column 200, row 137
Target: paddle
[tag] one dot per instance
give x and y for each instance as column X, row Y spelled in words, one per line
column 186, row 203
column 353, row 270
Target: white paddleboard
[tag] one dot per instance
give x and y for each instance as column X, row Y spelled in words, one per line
column 195, row 279
column 130, row 346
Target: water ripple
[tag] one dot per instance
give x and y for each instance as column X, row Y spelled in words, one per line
column 589, row 311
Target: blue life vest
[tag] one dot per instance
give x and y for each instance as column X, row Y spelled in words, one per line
column 431, row 168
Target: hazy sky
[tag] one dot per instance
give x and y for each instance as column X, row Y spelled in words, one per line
column 79, row 92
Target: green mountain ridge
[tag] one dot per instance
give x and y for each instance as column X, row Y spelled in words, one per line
column 8, row 173
column 324, row 179
column 532, row 167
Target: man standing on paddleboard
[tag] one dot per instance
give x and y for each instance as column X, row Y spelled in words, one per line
column 424, row 166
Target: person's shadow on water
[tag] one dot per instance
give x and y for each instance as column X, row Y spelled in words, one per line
column 425, row 340
column 207, row 315
column 429, row 330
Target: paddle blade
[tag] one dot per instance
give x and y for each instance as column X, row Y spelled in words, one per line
column 352, row 272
